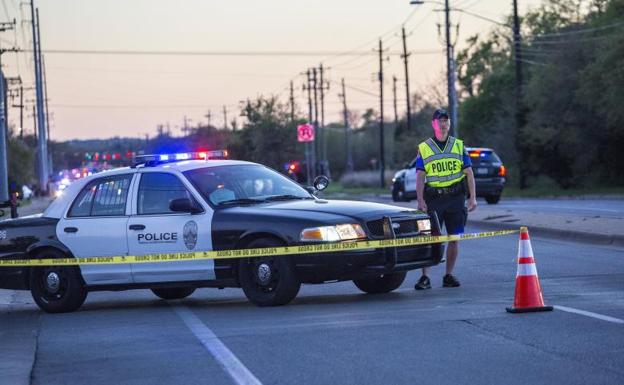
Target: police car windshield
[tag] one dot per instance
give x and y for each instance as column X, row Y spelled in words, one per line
column 244, row 184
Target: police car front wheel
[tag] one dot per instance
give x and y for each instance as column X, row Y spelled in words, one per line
column 57, row 289
column 268, row 281
column 381, row 284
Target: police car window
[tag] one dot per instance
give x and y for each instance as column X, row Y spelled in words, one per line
column 157, row 190
column 102, row 197
column 222, row 183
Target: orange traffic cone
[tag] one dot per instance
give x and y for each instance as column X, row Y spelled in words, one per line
column 528, row 296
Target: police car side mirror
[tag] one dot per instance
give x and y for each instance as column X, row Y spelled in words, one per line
column 184, row 205
column 321, row 182
column 1, row 213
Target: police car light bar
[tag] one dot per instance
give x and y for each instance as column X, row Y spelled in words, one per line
column 154, row 159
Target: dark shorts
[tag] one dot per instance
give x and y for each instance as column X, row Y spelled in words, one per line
column 451, row 212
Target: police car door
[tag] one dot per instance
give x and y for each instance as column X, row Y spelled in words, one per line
column 154, row 228
column 95, row 225
column 410, row 177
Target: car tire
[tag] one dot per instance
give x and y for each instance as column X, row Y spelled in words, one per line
column 173, row 293
column 382, row 284
column 398, row 195
column 268, row 281
column 57, row 289
column 492, row 199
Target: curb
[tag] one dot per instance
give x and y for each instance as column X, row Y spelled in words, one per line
column 564, row 235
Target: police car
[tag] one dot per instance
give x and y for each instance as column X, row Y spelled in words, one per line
column 178, row 203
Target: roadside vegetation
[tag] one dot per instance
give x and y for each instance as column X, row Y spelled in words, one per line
column 571, row 132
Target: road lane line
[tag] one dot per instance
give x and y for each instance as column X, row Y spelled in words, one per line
column 589, row 314
column 232, row 365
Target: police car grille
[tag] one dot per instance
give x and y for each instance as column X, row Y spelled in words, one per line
column 406, row 227
column 376, row 228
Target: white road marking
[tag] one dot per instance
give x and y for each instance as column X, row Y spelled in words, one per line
column 232, row 365
column 589, row 314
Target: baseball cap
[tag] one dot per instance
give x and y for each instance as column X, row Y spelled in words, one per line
column 440, row 113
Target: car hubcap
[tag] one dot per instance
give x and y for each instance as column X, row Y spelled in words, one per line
column 53, row 282
column 264, row 274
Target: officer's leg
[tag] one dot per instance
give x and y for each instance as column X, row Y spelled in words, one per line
column 434, row 206
column 451, row 256
column 455, row 222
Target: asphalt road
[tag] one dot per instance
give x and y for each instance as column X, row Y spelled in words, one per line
column 604, row 207
column 334, row 334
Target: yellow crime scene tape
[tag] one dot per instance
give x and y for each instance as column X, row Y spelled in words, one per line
column 257, row 252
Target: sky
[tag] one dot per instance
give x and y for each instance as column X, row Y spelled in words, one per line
column 102, row 96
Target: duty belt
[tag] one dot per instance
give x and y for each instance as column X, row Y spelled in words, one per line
column 434, row 192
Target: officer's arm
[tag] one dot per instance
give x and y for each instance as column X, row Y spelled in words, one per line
column 420, row 189
column 472, row 203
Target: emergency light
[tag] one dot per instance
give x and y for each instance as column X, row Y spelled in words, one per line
column 154, row 159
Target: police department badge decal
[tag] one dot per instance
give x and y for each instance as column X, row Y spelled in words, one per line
column 190, row 234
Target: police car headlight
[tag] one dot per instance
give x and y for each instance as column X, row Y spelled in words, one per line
column 424, row 225
column 332, row 233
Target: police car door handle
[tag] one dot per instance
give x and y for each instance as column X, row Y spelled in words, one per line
column 71, row 229
column 137, row 227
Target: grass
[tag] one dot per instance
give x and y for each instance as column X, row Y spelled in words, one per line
column 337, row 188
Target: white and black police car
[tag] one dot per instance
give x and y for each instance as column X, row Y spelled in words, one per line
column 192, row 202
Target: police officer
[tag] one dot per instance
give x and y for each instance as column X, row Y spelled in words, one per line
column 442, row 169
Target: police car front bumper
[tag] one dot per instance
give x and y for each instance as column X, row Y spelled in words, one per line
column 316, row 268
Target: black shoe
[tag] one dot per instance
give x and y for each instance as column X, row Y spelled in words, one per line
column 423, row 283
column 449, row 280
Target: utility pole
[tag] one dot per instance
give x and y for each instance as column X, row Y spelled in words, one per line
column 324, row 164
column 520, row 147
column 449, row 68
column 4, row 174
column 47, row 111
column 35, row 123
column 310, row 160
column 407, row 91
column 185, row 126
column 21, row 107
column 20, row 90
column 381, row 117
column 345, row 115
column 225, row 118
column 317, row 135
column 292, row 102
column 209, row 117
column 41, row 145
column 394, row 100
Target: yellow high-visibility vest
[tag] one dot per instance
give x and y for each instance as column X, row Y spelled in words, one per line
column 443, row 167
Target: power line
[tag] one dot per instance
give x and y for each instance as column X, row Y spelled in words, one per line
column 577, row 31
column 202, row 53
column 369, row 42
column 572, row 41
column 534, row 62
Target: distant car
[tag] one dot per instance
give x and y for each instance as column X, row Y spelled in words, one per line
column 178, row 203
column 489, row 173
column 488, row 169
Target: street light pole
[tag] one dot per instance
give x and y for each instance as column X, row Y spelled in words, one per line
column 450, row 76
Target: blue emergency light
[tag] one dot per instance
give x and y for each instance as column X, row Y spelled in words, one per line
column 155, row 159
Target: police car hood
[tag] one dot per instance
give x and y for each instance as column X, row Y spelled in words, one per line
column 328, row 209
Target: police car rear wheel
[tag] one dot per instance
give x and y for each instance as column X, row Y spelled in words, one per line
column 382, row 284
column 268, row 281
column 174, row 293
column 492, row 199
column 57, row 289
